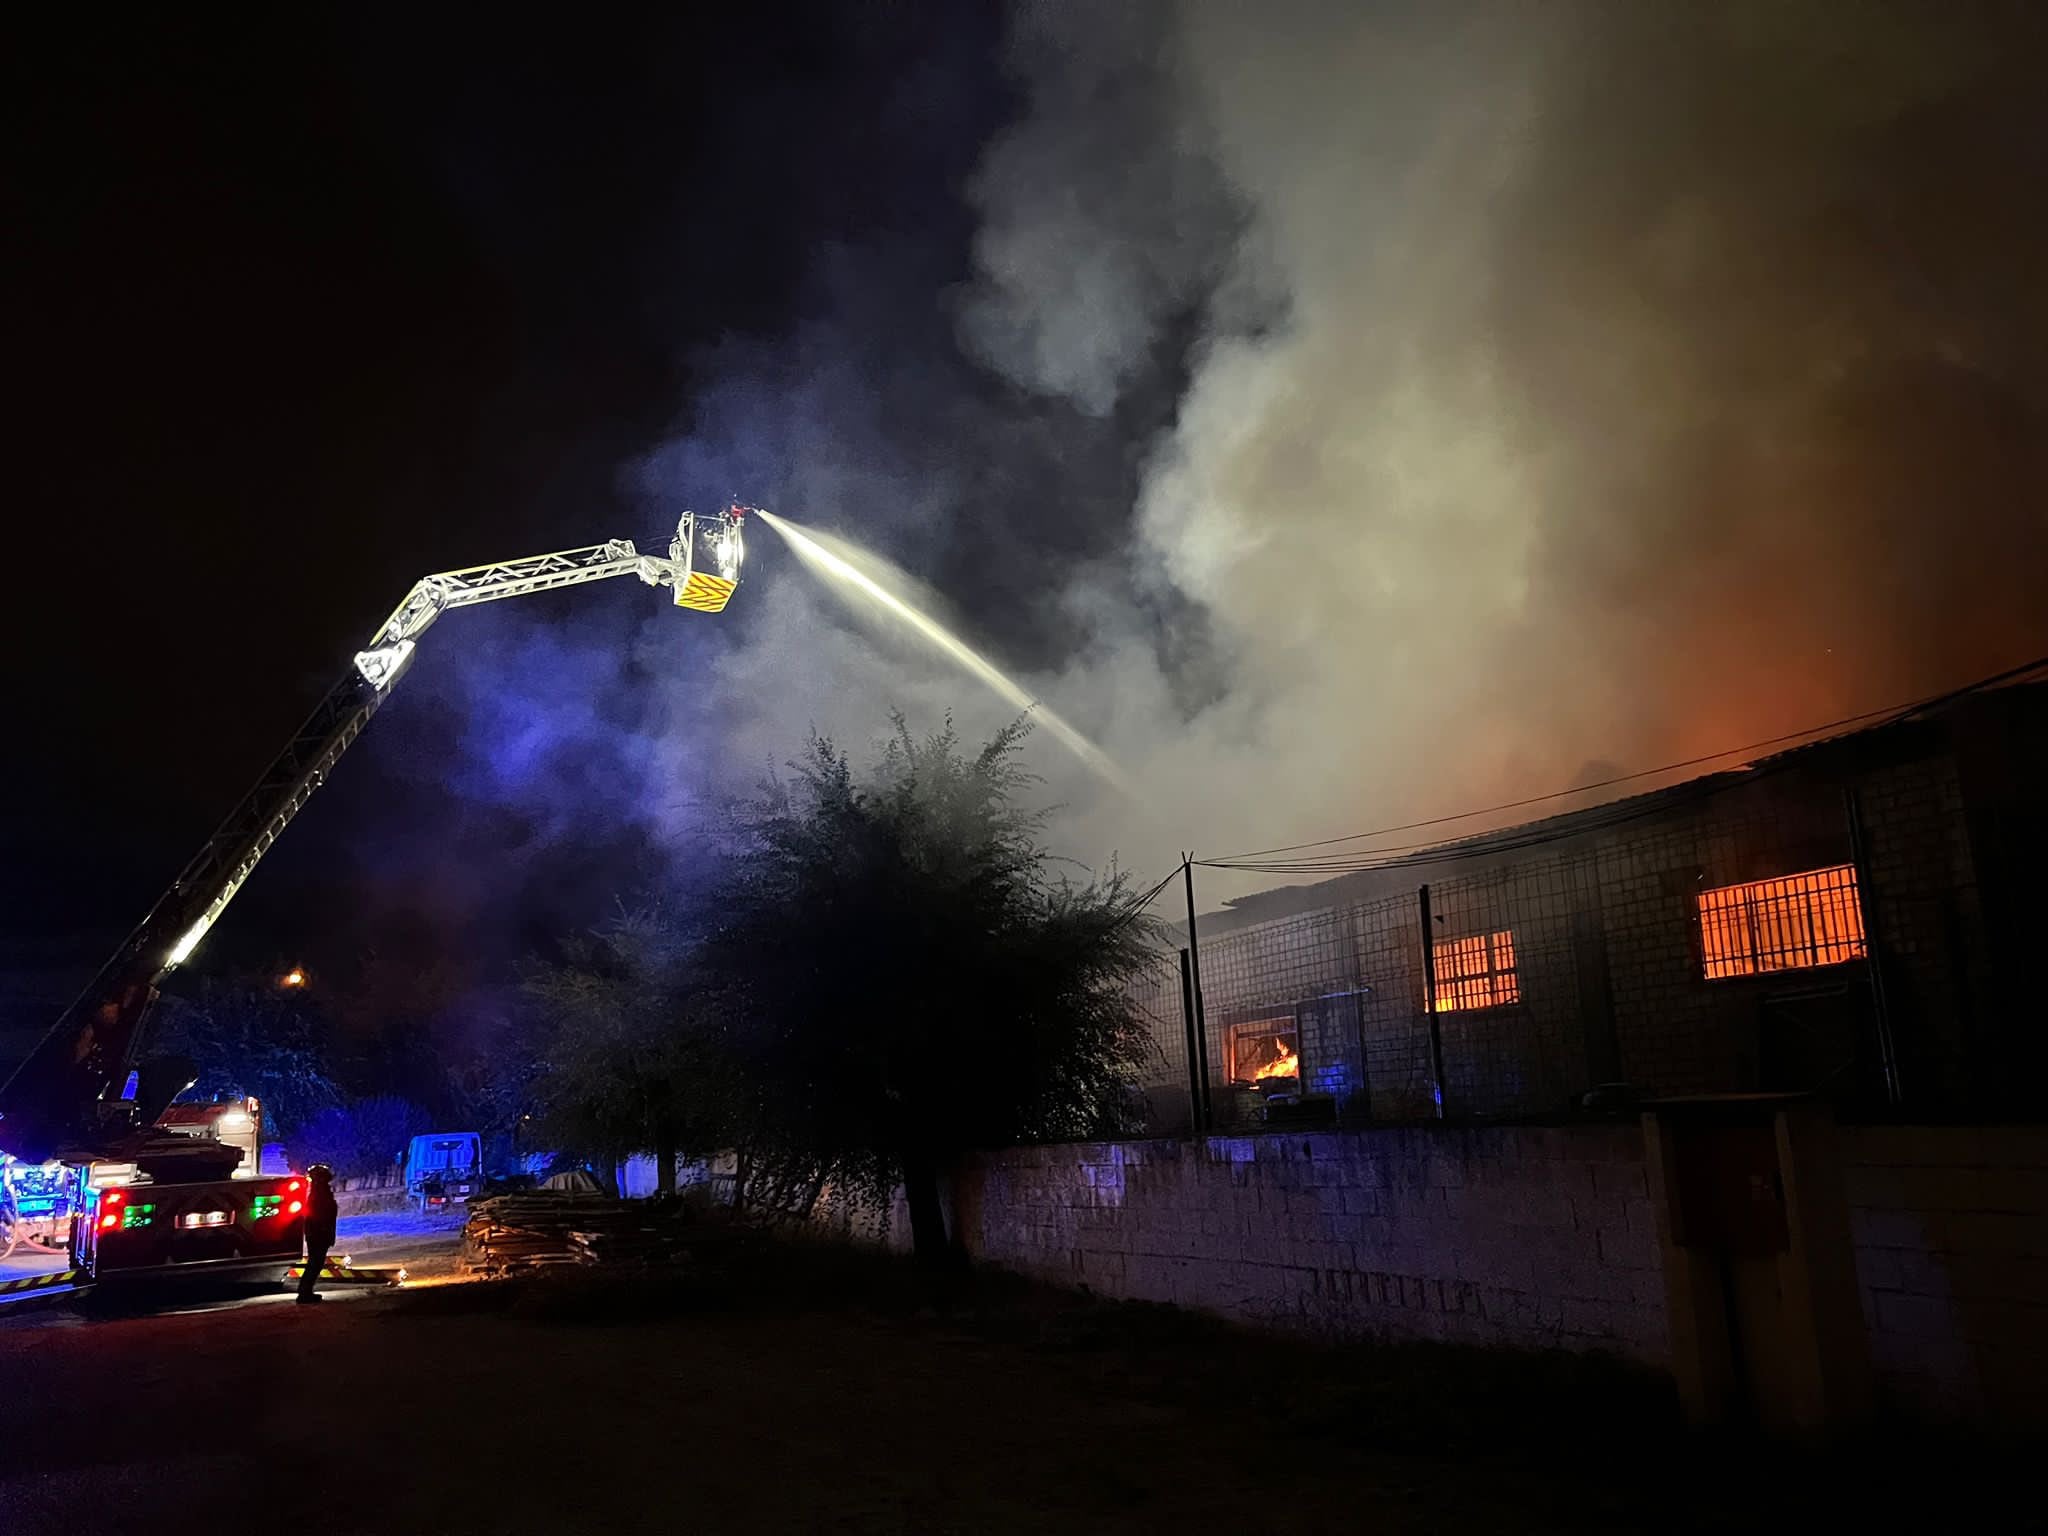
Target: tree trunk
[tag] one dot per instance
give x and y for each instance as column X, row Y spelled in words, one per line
column 742, row 1170
column 927, row 1214
column 664, row 1161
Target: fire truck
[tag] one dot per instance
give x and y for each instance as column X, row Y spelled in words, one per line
column 35, row 1204
column 38, row 1200
column 234, row 1123
column 151, row 1198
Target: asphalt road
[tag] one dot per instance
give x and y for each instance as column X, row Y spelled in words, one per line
column 425, row 1246
column 758, row 1386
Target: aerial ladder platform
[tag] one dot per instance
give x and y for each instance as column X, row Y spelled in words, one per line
column 85, row 1096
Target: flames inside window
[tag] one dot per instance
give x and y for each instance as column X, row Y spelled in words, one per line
column 1266, row 1053
column 1478, row 972
column 1792, row 923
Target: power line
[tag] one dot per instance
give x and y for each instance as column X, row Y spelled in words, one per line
column 1137, row 905
column 1361, row 859
column 1509, row 840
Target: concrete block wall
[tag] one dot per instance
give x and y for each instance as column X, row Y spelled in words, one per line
column 1950, row 1225
column 1520, row 1236
column 1677, row 1031
column 1512, row 1236
column 1332, row 1065
column 1929, row 919
column 1529, row 1056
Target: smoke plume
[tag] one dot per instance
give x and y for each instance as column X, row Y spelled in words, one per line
column 1597, row 382
column 1351, row 414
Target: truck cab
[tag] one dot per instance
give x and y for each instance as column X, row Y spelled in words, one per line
column 443, row 1169
column 234, row 1123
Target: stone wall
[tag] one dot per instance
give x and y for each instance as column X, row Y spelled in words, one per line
column 1950, row 1225
column 1523, row 1236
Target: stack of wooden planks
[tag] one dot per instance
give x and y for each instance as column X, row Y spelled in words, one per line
column 536, row 1228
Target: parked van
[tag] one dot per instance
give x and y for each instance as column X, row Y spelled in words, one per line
column 444, row 1168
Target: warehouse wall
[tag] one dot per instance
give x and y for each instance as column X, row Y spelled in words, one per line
column 1604, row 924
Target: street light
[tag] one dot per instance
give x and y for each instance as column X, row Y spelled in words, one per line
column 295, row 977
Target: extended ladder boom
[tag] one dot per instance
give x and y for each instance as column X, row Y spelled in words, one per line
column 67, row 1099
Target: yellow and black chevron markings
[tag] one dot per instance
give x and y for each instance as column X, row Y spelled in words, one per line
column 41, row 1285
column 706, row 594
column 350, row 1274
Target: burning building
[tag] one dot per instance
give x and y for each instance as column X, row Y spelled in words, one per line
column 1854, row 917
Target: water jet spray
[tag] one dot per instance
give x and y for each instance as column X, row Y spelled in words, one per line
column 850, row 580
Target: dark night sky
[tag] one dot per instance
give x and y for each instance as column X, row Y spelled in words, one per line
column 305, row 308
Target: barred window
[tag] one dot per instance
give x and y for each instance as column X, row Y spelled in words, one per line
column 1264, row 1050
column 1478, row 972
column 1792, row 923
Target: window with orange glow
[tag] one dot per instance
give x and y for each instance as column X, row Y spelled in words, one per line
column 1792, row 923
column 1478, row 972
column 1264, row 1050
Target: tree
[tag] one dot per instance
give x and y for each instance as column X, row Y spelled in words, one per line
column 388, row 1008
column 628, row 1061
column 248, row 1038
column 365, row 1137
column 913, row 979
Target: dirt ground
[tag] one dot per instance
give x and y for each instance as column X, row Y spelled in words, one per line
column 779, row 1389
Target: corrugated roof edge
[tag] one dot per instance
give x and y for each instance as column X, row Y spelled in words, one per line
column 2027, row 683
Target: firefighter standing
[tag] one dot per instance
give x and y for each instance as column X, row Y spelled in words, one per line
column 321, row 1212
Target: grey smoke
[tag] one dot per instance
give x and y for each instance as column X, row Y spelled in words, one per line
column 1106, row 194
column 1645, row 380
column 1350, row 414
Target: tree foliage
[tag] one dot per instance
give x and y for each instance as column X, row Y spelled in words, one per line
column 368, row 1136
column 390, row 1010
column 627, row 1059
column 905, row 977
column 246, row 1037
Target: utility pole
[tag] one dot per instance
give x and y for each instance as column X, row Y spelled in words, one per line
column 1873, row 958
column 1436, row 1032
column 1208, row 1108
column 1194, row 1050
